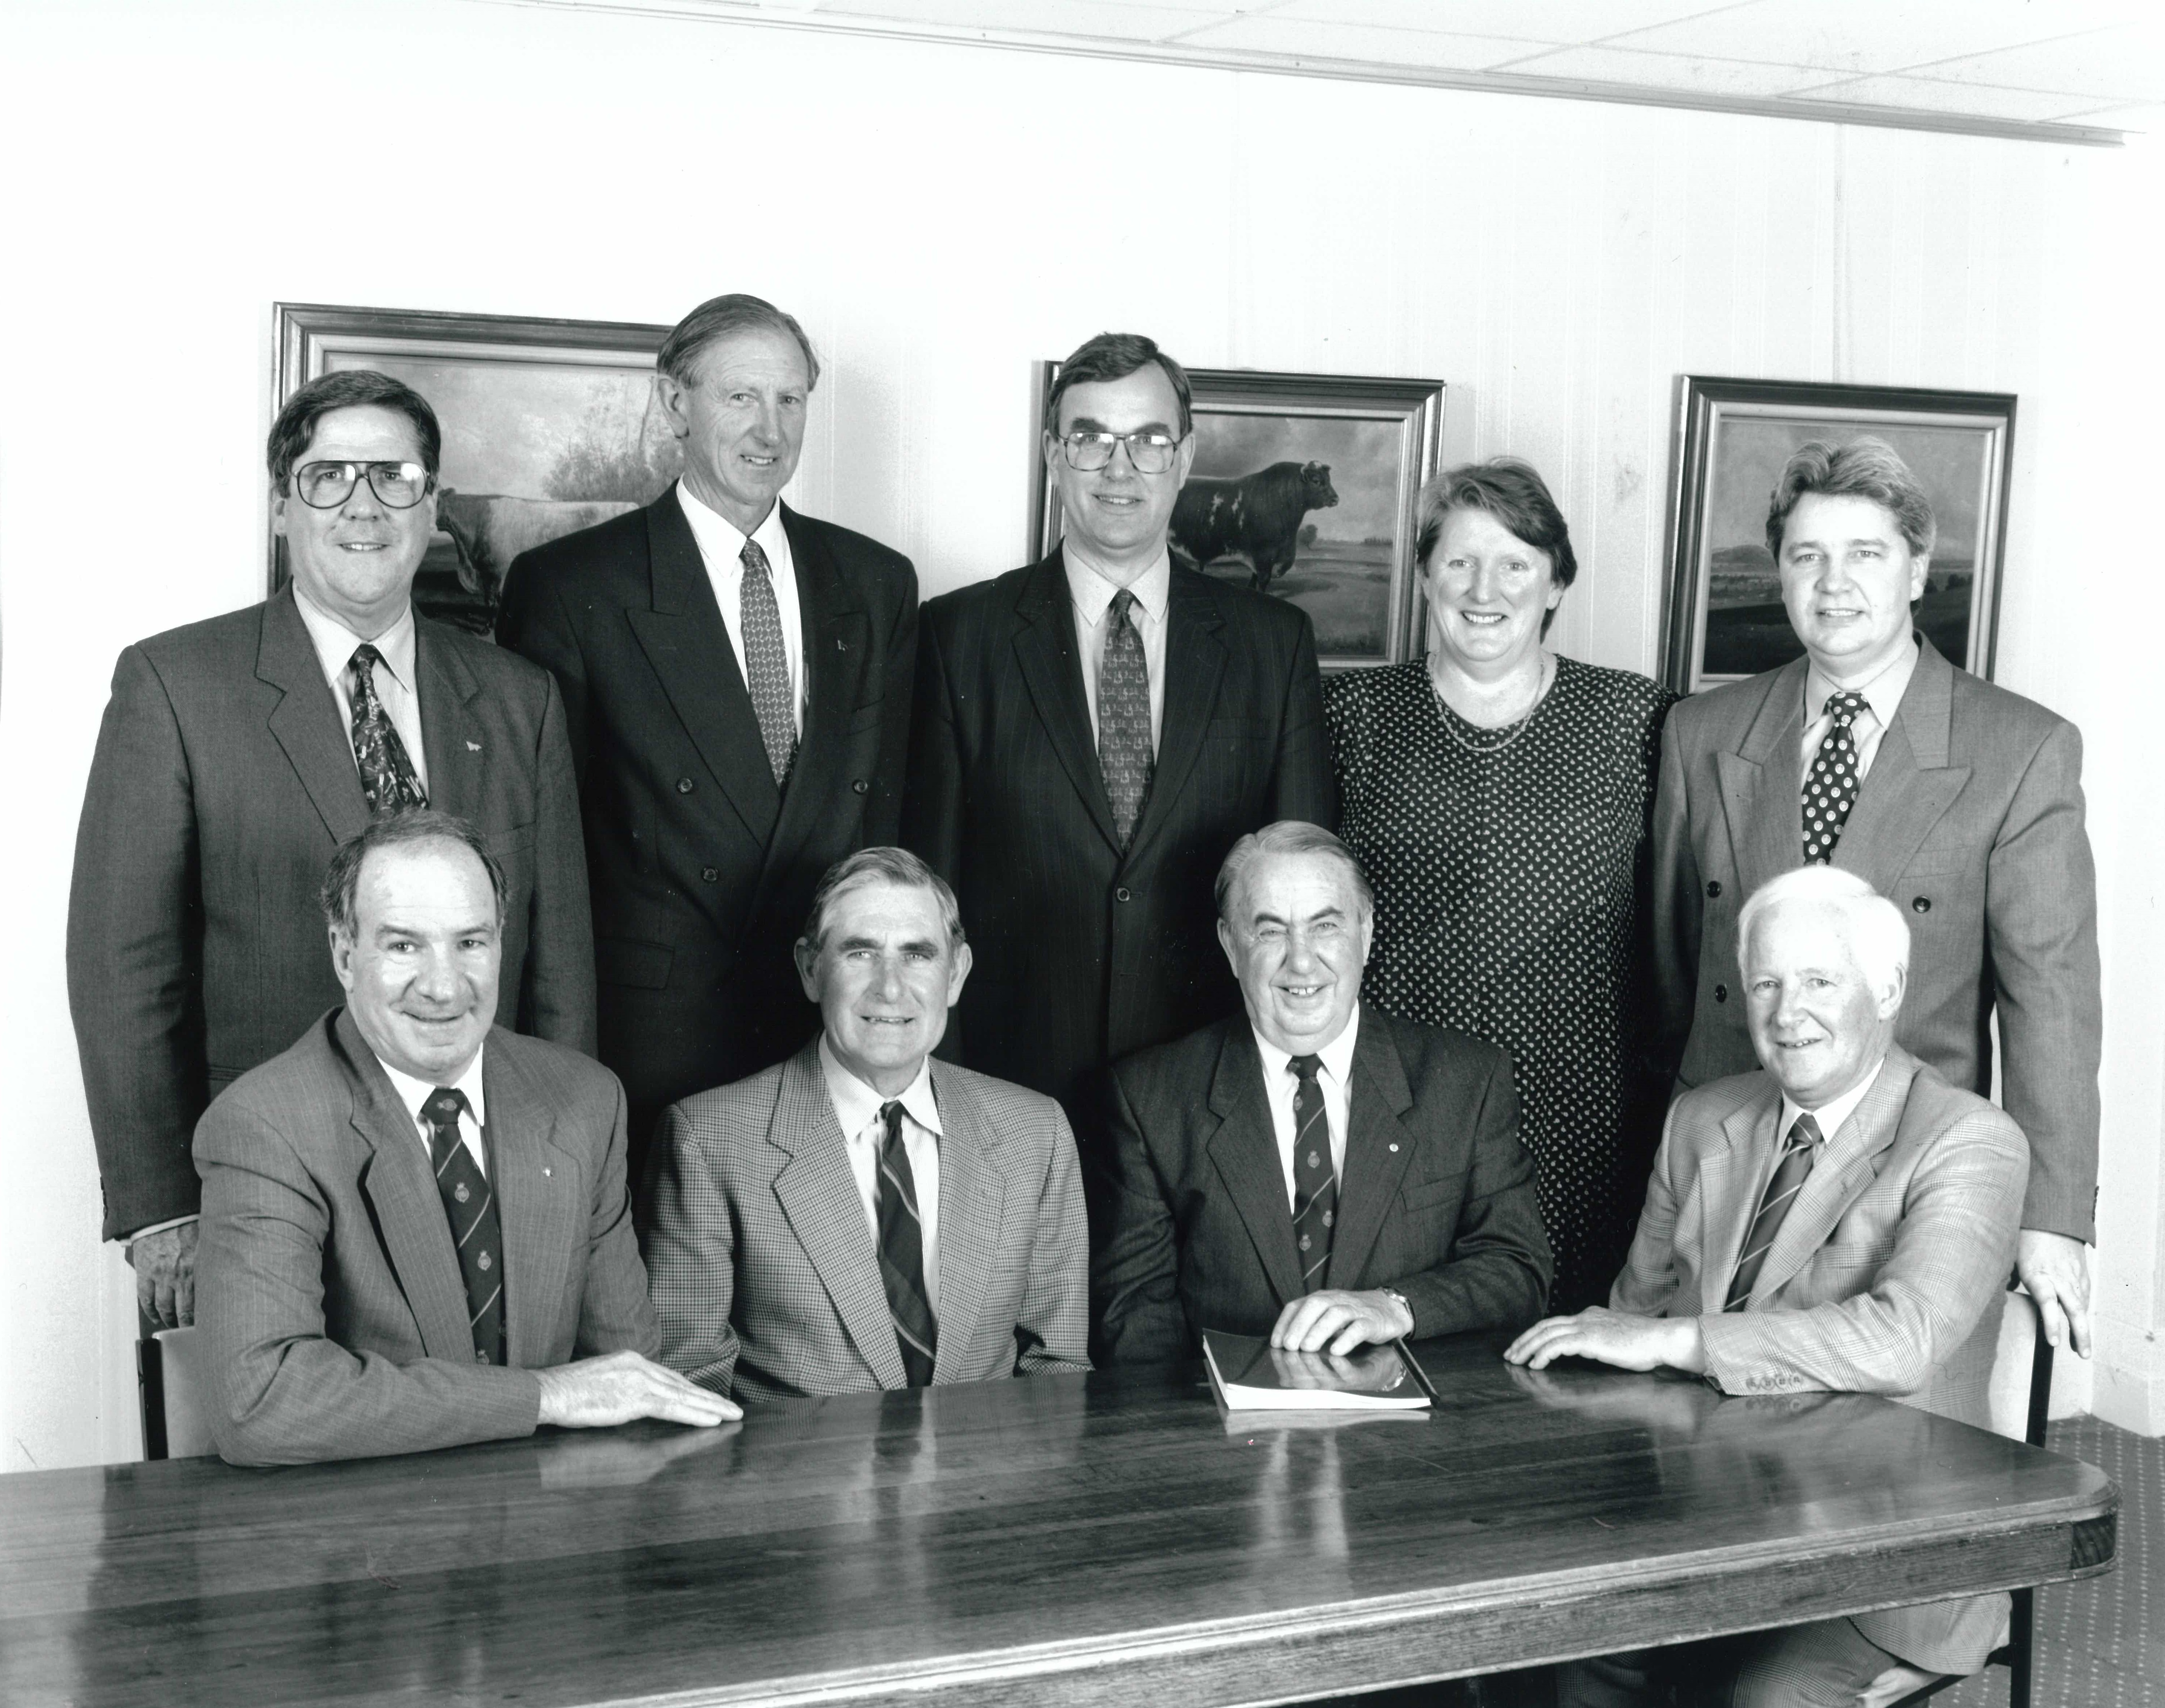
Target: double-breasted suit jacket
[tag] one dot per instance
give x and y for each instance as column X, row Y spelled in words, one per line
column 1971, row 822
column 223, row 781
column 703, row 869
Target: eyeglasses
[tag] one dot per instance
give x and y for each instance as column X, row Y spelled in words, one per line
column 1149, row 453
column 325, row 486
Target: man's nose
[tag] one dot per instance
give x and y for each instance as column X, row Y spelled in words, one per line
column 361, row 504
column 437, row 976
column 887, row 979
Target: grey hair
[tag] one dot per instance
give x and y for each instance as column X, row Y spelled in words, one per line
column 342, row 881
column 1879, row 934
column 1287, row 836
column 895, row 865
column 724, row 317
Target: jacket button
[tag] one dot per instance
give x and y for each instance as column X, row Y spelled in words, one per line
column 1922, row 905
column 1123, row 895
column 684, row 785
column 1713, row 888
column 860, row 786
column 709, row 873
column 1722, row 992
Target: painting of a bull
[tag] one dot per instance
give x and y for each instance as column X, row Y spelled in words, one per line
column 1256, row 517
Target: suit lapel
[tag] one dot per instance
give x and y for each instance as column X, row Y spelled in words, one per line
column 1245, row 1151
column 450, row 739
column 1376, row 1097
column 1728, row 1191
column 305, row 721
column 971, row 1202
column 1847, row 1165
column 1194, row 665
column 1051, row 669
column 1760, row 784
column 540, row 1216
column 1910, row 785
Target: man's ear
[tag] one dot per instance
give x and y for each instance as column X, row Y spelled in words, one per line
column 957, row 972
column 1890, row 999
column 342, row 958
column 806, row 958
column 670, row 394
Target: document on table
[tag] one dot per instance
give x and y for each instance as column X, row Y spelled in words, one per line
column 1250, row 1374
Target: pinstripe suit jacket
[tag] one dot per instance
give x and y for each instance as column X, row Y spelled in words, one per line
column 326, row 1283
column 765, row 1274
column 1888, row 1275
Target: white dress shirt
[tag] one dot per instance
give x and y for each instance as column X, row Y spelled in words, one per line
column 1093, row 597
column 857, row 1111
column 721, row 546
column 393, row 677
column 1829, row 1115
column 1334, row 1077
column 1882, row 694
column 413, row 1093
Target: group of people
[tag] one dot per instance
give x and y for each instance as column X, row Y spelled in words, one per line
column 738, row 984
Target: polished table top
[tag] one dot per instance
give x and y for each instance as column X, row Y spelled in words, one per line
column 1068, row 1539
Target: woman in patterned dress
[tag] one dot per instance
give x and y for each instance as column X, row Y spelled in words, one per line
column 1499, row 797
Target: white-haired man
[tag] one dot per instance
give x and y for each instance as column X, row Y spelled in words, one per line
column 1844, row 1220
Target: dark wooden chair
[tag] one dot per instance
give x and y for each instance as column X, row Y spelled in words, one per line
column 170, row 1385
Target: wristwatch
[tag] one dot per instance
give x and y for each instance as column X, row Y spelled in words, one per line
column 1405, row 1303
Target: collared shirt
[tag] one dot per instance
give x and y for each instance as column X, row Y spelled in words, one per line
column 1883, row 695
column 857, row 1111
column 721, row 546
column 1092, row 597
column 413, row 1093
column 394, row 678
column 1335, row 1078
column 1828, row 1116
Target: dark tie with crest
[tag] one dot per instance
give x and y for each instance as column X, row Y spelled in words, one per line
column 1314, row 1182
column 475, row 1230
column 1774, row 1209
column 1124, row 717
column 902, row 1256
column 1831, row 784
column 766, row 663
column 387, row 772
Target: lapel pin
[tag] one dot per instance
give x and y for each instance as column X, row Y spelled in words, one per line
column 1394, row 1148
column 473, row 746
column 840, row 644
column 544, row 1171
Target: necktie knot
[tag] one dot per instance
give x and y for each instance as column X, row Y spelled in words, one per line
column 1804, row 1132
column 363, row 665
column 1304, row 1068
column 1846, row 707
column 754, row 559
column 1123, row 602
column 442, row 1109
column 890, row 1116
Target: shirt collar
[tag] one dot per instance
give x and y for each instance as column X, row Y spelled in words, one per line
column 1337, row 1055
column 1093, row 593
column 722, row 541
column 1882, row 693
column 857, row 1105
column 1832, row 1115
column 413, row 1093
column 334, row 642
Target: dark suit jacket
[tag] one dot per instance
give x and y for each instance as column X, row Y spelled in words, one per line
column 1971, row 822
column 327, row 1284
column 702, row 871
column 222, row 785
column 1436, row 1200
column 1083, row 954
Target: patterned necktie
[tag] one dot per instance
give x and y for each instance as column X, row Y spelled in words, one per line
column 902, row 1256
column 387, row 774
column 471, row 1204
column 766, row 663
column 1774, row 1208
column 1831, row 786
column 1123, row 719
column 1314, row 1182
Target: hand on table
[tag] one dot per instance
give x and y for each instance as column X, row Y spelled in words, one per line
column 1338, row 1321
column 1611, row 1337
column 2057, row 1271
column 165, row 1265
column 596, row 1393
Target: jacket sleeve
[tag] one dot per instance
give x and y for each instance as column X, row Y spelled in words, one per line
column 558, row 1001
column 884, row 809
column 1651, row 1275
column 1136, row 1274
column 1302, row 787
column 615, row 1313
column 932, row 807
column 1052, row 1331
column 1674, row 899
column 532, row 622
column 690, row 1247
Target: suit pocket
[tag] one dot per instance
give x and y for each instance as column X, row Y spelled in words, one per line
column 642, row 965
column 1418, row 1197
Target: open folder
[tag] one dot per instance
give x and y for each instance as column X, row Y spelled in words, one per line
column 1249, row 1374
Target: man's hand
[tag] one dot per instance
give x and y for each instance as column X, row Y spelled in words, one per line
column 596, row 1393
column 2057, row 1271
column 1338, row 1321
column 1611, row 1337
column 165, row 1265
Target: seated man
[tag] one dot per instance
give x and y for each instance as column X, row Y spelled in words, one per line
column 1322, row 1175
column 1845, row 1220
column 412, row 1217
column 862, row 1216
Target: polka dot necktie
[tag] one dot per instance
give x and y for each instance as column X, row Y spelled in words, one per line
column 1781, row 1193
column 1314, row 1182
column 766, row 663
column 1124, row 718
column 471, row 1204
column 902, row 1256
column 386, row 772
column 1830, row 785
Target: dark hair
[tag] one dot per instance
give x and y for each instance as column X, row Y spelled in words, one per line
column 1516, row 496
column 1287, row 836
column 393, row 831
column 724, row 317
column 895, row 865
column 350, row 388
column 1114, row 356
column 1864, row 468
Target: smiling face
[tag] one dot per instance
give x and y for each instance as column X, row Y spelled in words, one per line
column 1487, row 593
column 884, row 976
column 1116, row 519
column 1847, row 579
column 742, row 421
column 420, row 969
column 1817, row 1023
column 357, row 560
column 1298, row 938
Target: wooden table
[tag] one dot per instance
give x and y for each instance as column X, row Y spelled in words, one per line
column 1106, row 1539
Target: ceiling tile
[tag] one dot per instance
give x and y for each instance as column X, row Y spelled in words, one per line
column 1682, row 72
column 1864, row 36
column 1314, row 40
column 1928, row 95
column 2126, row 62
column 1566, row 22
column 1100, row 19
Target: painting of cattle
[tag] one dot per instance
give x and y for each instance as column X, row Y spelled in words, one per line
column 1255, row 519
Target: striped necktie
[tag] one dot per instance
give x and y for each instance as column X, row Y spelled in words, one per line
column 1774, row 1208
column 471, row 1204
column 1124, row 755
column 766, row 663
column 1314, row 1181
column 1831, row 786
column 902, row 1256
column 387, row 770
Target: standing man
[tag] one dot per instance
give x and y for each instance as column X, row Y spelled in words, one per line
column 738, row 680
column 238, row 754
column 1094, row 733
column 1959, row 802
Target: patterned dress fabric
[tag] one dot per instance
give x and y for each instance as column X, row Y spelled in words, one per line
column 1511, row 871
column 386, row 772
column 1831, row 786
column 1789, row 1174
column 1124, row 755
column 1316, row 1184
column 902, row 1256
column 475, row 1231
column 766, row 663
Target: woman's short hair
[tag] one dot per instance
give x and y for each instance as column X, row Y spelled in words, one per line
column 895, row 865
column 342, row 881
column 1864, row 468
column 349, row 388
column 1114, row 356
column 724, row 317
column 1879, row 934
column 1287, row 836
column 1515, row 495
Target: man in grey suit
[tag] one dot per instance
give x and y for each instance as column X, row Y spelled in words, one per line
column 237, row 754
column 1959, row 802
column 415, row 1228
column 1844, row 1220
column 863, row 1216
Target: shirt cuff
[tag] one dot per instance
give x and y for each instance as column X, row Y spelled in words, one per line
column 159, row 1227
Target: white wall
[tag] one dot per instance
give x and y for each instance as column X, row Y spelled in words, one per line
column 941, row 218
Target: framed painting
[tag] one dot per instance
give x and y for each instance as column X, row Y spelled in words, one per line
column 549, row 426
column 1303, row 487
column 1724, row 619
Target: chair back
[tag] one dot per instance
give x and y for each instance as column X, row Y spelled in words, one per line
column 2021, row 1396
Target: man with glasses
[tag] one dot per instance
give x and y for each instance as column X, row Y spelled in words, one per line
column 1092, row 734
column 236, row 755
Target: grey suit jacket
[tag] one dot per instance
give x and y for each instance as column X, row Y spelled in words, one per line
column 327, row 1287
column 222, row 785
column 1971, row 822
column 1887, row 1278
column 765, row 1273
